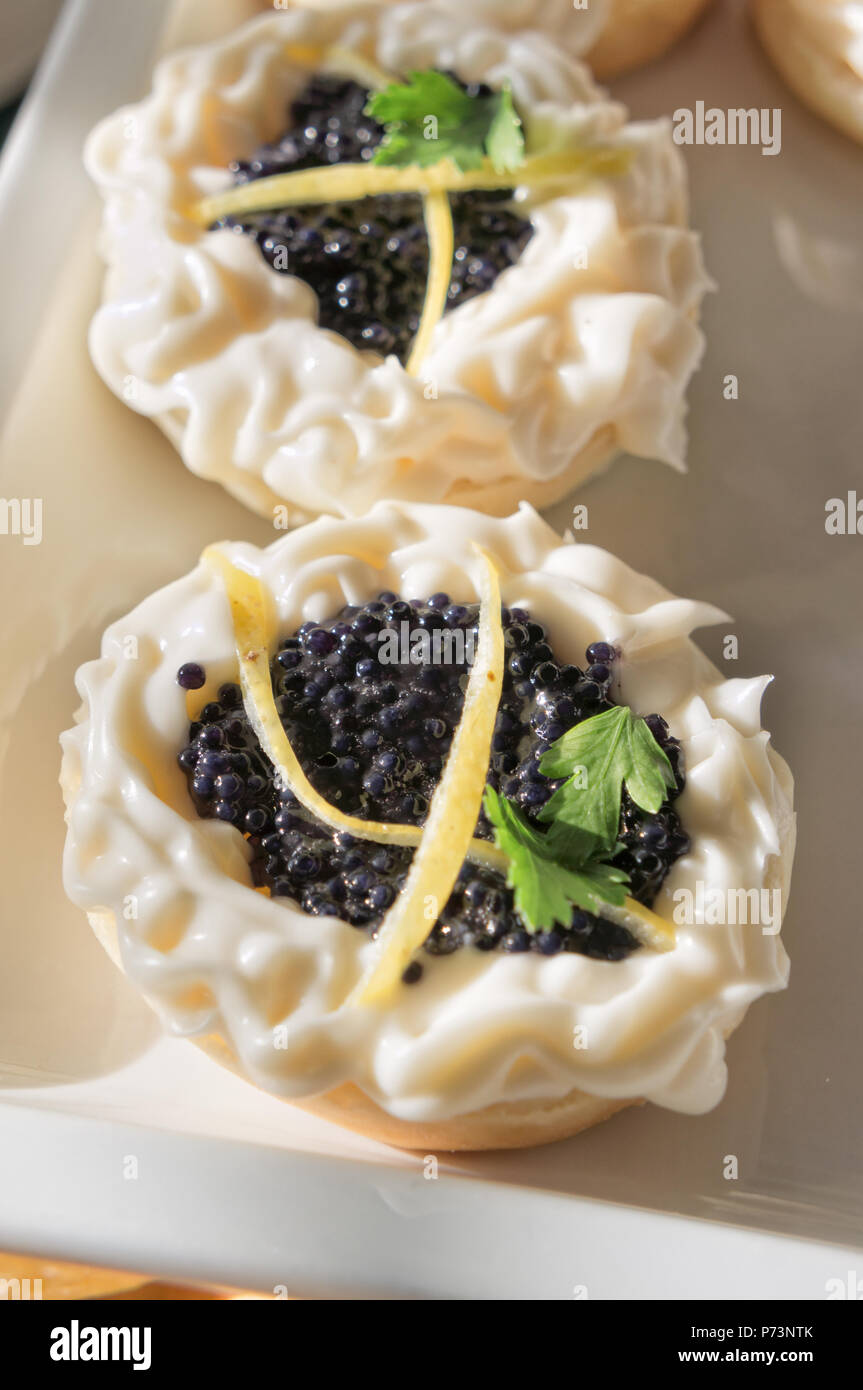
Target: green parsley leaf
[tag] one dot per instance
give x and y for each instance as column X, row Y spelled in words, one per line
column 424, row 94
column 505, row 140
column 430, row 117
column 597, row 757
column 546, row 890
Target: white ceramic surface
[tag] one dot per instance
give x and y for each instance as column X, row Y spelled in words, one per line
column 80, row 1055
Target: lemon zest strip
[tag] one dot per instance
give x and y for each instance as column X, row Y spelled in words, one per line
column 251, row 617
column 340, row 183
column 438, row 219
column 345, row 62
column 646, row 926
column 453, row 812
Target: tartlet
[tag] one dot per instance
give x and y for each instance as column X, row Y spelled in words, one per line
column 817, row 46
column 638, row 31
column 611, row 36
column 574, row 331
column 262, row 932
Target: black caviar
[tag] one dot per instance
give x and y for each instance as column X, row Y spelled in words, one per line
column 367, row 261
column 191, row 676
column 372, row 729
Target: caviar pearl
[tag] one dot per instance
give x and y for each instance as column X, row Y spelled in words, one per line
column 601, row 652
column 191, row 676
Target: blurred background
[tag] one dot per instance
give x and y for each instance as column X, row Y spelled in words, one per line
column 24, row 28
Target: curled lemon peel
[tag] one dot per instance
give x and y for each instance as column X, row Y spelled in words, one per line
column 341, row 183
column 438, row 219
column 305, row 55
column 253, row 623
column 453, row 812
column 646, row 926
column 251, row 615
column 344, row 62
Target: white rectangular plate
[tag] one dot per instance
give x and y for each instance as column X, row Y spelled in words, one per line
column 235, row 1186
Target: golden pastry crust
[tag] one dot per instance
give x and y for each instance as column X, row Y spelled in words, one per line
column 638, row 32
column 822, row 80
column 505, row 1125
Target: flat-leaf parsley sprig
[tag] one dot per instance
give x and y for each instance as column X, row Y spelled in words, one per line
column 430, row 118
column 569, row 865
column 547, row 881
column 597, row 757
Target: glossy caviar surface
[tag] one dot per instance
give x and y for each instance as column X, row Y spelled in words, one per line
column 367, row 261
column 370, row 700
